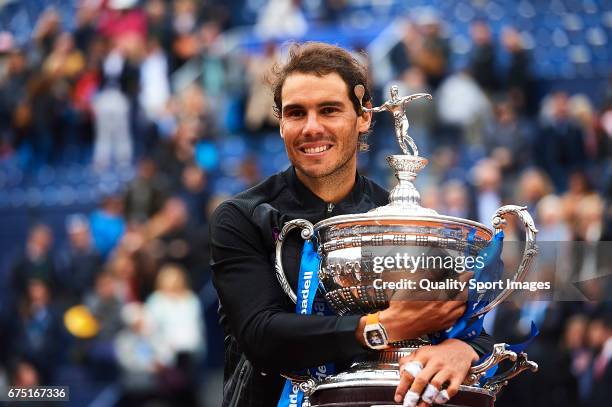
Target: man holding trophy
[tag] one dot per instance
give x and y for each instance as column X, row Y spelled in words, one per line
column 325, row 109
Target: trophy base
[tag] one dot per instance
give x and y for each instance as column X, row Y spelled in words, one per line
column 372, row 383
column 367, row 396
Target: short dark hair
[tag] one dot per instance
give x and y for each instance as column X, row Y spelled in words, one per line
column 321, row 59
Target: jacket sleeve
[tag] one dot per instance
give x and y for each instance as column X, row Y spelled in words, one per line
column 482, row 344
column 258, row 311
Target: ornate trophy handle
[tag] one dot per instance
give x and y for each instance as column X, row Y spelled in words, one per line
column 499, row 354
column 307, row 232
column 531, row 249
column 497, row 382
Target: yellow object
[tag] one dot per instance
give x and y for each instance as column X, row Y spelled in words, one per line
column 80, row 322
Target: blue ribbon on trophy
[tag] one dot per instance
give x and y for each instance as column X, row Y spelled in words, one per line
column 470, row 326
column 308, row 283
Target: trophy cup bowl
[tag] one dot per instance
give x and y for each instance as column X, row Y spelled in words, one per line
column 348, row 245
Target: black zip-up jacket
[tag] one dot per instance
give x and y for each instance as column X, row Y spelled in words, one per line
column 263, row 335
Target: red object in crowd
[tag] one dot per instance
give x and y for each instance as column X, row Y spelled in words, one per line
column 122, row 23
column 84, row 90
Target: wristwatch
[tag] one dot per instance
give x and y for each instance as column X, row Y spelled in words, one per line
column 374, row 333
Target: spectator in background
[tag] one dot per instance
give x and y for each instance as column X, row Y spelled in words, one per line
column 482, row 63
column 154, row 96
column 560, row 148
column 604, row 145
column 145, row 194
column 112, row 126
column 533, row 185
column 85, row 30
column 159, row 24
column 431, row 197
column 281, row 19
column 107, row 225
column 79, row 263
column 581, row 110
column 48, row 27
column 508, row 139
column 195, row 194
column 551, row 222
column 39, row 118
column 174, row 155
column 154, row 82
column 579, row 187
column 175, row 314
column 589, row 218
column 122, row 21
column 36, row 262
column 184, row 23
column 487, row 198
column 431, row 52
column 128, row 285
column 517, row 81
column 259, row 114
column 575, row 348
column 12, row 90
column 105, row 306
column 41, row 337
column 599, row 336
column 25, row 375
column 177, row 323
column 399, row 56
column 64, row 61
column 141, row 356
column 177, row 240
column 463, row 106
column 455, row 199
column 193, row 105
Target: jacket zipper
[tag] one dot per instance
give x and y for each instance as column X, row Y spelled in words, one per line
column 330, row 208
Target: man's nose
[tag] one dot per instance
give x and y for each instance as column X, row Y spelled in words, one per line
column 313, row 126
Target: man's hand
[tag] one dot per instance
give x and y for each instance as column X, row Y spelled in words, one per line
column 411, row 319
column 444, row 367
column 413, row 313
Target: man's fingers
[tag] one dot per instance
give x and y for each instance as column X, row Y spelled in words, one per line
column 440, row 379
column 453, row 387
column 409, row 369
column 429, row 395
column 420, row 382
column 432, row 391
column 442, row 397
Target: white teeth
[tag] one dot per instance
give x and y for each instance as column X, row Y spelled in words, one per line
column 315, row 150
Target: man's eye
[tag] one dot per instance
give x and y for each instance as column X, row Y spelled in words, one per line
column 294, row 113
column 329, row 110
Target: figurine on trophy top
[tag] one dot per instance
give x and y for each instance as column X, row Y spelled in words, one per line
column 404, row 198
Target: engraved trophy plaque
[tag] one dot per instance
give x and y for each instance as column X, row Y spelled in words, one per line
column 345, row 245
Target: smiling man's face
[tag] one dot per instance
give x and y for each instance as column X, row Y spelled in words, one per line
column 319, row 125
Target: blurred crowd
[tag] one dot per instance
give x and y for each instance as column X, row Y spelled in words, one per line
column 126, row 295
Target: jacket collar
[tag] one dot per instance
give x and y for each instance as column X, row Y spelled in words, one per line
column 307, row 199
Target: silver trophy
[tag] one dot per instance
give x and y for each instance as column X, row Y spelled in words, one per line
column 348, row 246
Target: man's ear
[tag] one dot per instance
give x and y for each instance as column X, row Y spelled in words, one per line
column 365, row 119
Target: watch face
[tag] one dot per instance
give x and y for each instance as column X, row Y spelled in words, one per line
column 375, row 338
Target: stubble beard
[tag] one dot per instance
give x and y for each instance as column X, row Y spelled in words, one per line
column 334, row 175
